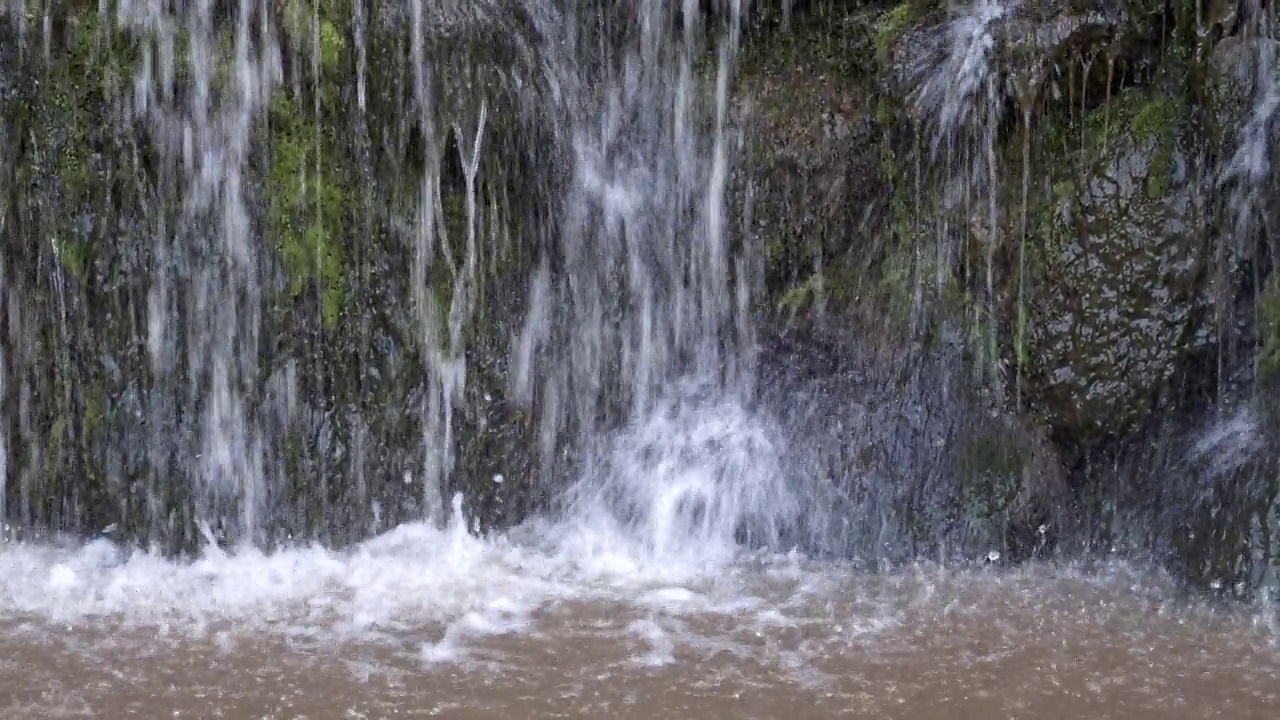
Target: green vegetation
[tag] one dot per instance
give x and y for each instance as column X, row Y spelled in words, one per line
column 1094, row 289
column 890, row 27
column 1154, row 121
column 308, row 205
column 1269, row 334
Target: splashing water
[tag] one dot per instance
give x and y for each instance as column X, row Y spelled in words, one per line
column 650, row 386
column 671, row 548
column 964, row 91
column 4, row 427
column 690, row 485
column 961, row 101
column 646, row 286
column 675, row 474
column 1249, row 169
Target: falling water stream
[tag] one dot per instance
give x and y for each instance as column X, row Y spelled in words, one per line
column 674, row 578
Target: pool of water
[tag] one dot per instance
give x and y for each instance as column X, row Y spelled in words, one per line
column 424, row 622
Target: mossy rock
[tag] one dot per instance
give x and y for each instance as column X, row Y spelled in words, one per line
column 900, row 435
column 1113, row 295
column 810, row 156
column 1012, row 489
column 1268, row 363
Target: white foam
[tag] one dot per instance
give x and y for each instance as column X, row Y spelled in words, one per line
column 655, row 531
column 410, row 580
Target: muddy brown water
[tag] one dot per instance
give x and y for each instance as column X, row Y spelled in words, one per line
column 918, row 644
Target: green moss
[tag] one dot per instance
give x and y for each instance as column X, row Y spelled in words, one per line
column 331, row 45
column 1268, row 364
column 900, row 269
column 95, row 409
column 801, row 297
column 836, row 45
column 328, row 40
column 1153, row 121
column 889, row 28
column 308, row 204
column 310, row 190
column 64, row 109
column 72, row 254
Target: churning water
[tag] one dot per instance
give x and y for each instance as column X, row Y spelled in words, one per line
column 587, row 621
column 671, row 579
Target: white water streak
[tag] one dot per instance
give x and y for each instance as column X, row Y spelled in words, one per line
column 1249, row 171
column 963, row 105
column 643, row 276
column 210, row 135
column 443, row 338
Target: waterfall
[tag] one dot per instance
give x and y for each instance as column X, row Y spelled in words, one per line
column 649, row 282
column 287, row 272
column 1248, row 176
column 204, row 302
column 961, row 104
column 1249, row 168
column 4, row 425
column 638, row 343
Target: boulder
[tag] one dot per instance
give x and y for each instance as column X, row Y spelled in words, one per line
column 1027, row 49
column 904, row 458
column 1113, row 298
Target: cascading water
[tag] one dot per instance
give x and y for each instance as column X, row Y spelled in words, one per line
column 635, row 311
column 203, row 306
column 4, row 427
column 1249, row 174
column 1249, row 168
column 641, row 286
column 505, row 231
column 647, row 360
column 961, row 103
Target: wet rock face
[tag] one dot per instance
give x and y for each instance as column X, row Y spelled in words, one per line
column 1268, row 364
column 906, row 458
column 1205, row 499
column 1116, row 302
column 497, row 469
column 1031, row 44
column 809, row 167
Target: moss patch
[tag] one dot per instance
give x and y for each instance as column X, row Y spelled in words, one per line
column 1269, row 333
column 889, row 28
column 308, row 200
column 1153, row 121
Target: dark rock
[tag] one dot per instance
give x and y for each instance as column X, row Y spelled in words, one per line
column 1026, row 48
column 1113, row 304
column 908, row 458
